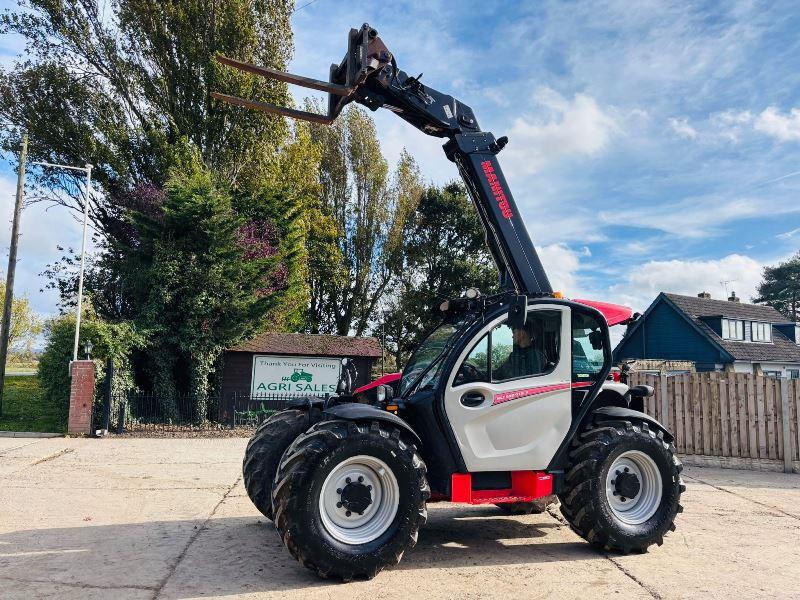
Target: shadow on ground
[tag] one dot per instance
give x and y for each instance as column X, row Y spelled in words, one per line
column 244, row 554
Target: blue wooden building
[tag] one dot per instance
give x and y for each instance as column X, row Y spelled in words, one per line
column 716, row 335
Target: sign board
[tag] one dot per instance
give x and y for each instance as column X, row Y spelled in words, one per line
column 295, row 375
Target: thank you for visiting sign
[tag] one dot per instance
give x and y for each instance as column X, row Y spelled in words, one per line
column 295, row 375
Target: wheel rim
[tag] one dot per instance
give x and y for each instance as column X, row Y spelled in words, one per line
column 362, row 483
column 642, row 503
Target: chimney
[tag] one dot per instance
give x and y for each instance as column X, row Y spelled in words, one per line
column 704, row 295
column 733, row 298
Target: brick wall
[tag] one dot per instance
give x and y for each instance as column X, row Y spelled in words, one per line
column 81, row 397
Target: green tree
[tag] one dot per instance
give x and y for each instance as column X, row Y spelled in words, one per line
column 780, row 288
column 26, row 325
column 443, row 254
column 120, row 84
column 356, row 224
column 214, row 269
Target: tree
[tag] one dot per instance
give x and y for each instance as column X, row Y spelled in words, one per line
column 120, row 84
column 25, row 326
column 780, row 288
column 356, row 224
column 443, row 254
column 212, row 268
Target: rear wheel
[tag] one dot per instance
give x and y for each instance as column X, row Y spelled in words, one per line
column 350, row 498
column 264, row 451
column 623, row 488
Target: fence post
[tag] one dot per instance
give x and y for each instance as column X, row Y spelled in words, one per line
column 108, row 391
column 664, row 401
column 121, row 418
column 788, row 451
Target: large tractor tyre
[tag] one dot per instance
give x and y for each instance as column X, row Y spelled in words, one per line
column 536, row 507
column 349, row 498
column 623, row 487
column 264, row 452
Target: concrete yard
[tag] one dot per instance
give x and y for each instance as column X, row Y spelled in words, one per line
column 169, row 518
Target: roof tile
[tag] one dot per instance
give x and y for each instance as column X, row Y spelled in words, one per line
column 300, row 344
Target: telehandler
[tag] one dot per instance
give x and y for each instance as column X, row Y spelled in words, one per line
column 505, row 403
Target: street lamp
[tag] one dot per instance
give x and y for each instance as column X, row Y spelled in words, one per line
column 87, row 348
column 87, row 195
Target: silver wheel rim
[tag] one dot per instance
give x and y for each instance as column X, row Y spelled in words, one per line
column 642, row 506
column 377, row 517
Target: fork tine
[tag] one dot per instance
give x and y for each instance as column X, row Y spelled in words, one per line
column 273, row 109
column 307, row 82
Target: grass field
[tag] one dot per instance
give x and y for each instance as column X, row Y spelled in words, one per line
column 24, row 409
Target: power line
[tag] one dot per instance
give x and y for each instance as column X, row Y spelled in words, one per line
column 304, row 5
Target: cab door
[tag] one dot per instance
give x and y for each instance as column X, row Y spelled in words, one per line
column 508, row 399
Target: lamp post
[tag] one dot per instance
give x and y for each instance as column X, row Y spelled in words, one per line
column 87, row 348
column 87, row 196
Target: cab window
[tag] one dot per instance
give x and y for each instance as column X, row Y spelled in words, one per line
column 507, row 353
column 476, row 366
column 588, row 342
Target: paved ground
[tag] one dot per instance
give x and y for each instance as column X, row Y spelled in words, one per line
column 167, row 518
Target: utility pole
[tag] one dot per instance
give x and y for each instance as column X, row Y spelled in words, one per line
column 5, row 328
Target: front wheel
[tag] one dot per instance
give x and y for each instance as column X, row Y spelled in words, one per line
column 349, row 498
column 623, row 488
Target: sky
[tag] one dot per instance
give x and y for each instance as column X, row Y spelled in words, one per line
column 653, row 146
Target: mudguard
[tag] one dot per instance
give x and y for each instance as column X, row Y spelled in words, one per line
column 627, row 413
column 365, row 412
column 305, row 402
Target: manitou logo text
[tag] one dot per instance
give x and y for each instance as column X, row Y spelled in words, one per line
column 497, row 189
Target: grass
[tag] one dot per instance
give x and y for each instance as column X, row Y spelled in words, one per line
column 24, row 408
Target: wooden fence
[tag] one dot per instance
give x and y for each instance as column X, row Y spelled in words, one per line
column 729, row 419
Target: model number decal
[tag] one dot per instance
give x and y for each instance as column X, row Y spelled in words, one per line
column 497, row 189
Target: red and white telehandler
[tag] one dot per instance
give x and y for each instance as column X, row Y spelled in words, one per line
column 506, row 402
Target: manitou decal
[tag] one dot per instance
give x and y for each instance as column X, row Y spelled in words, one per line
column 535, row 391
column 497, row 189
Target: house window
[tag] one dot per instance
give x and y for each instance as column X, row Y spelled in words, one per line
column 773, row 374
column 794, row 373
column 732, row 330
column 762, row 332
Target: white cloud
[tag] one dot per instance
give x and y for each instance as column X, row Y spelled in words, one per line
column 681, row 126
column 783, row 127
column 702, row 217
column 575, row 127
column 562, row 263
column 41, row 232
column 644, row 282
column 788, row 234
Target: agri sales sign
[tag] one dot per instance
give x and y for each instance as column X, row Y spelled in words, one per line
column 294, row 375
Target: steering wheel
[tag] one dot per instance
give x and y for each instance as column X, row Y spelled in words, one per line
column 468, row 372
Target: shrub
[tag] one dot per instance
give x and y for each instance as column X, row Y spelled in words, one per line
column 110, row 340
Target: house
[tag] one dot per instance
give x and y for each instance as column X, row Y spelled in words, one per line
column 716, row 335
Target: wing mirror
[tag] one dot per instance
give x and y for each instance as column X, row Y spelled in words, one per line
column 518, row 311
column 596, row 339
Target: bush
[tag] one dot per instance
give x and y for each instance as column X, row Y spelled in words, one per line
column 110, row 340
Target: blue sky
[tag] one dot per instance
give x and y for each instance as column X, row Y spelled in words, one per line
column 653, row 145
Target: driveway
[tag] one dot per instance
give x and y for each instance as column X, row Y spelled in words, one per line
column 169, row 518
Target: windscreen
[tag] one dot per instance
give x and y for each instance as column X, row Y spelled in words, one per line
column 429, row 350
